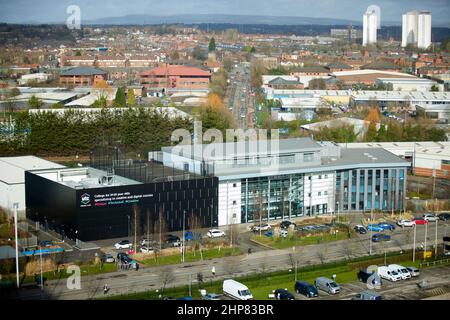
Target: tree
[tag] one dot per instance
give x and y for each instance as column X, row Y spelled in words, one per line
column 131, row 99
column 382, row 134
column 160, row 227
column 34, row 102
column 434, row 88
column 78, row 53
column 167, row 276
column 371, row 134
column 228, row 64
column 102, row 90
column 212, row 45
column 120, row 100
column 199, row 54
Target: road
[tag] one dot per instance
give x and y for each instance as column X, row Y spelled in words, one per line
column 239, row 94
column 129, row 281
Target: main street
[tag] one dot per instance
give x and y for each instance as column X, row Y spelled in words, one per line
column 130, row 281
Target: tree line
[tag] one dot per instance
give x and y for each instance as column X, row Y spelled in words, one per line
column 77, row 132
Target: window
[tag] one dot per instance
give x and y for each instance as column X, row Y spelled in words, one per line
column 325, row 193
column 309, row 194
column 320, row 176
column 234, row 185
column 309, row 177
column 326, row 176
column 308, row 157
column 319, row 194
column 234, row 202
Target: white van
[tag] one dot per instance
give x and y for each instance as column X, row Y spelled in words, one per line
column 236, row 290
column 402, row 271
column 388, row 274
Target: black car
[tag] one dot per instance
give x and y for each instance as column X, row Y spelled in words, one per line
column 283, row 294
column 363, row 276
column 306, row 289
column 123, row 257
column 46, row 243
column 360, row 229
column 172, row 238
column 285, row 224
column 444, row 216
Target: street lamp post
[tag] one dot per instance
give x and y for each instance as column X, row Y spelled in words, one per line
column 370, row 239
column 184, row 238
column 40, row 258
column 425, row 242
column 414, row 244
column 16, row 206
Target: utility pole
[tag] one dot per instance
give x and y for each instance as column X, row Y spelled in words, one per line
column 16, row 205
column 40, row 258
column 425, row 244
column 182, row 251
column 414, row 244
column 371, row 222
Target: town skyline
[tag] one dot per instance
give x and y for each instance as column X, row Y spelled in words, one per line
column 50, row 11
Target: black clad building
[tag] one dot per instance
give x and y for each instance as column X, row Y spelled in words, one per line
column 91, row 204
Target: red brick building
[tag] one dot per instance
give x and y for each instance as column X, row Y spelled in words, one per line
column 175, row 77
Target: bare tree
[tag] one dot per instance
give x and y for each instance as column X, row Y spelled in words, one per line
column 195, row 225
column 160, row 227
column 322, row 253
column 347, row 249
column 263, row 265
column 167, row 276
column 233, row 234
column 149, row 224
column 230, row 266
column 136, row 223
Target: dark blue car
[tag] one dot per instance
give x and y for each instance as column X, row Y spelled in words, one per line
column 386, row 226
column 380, row 237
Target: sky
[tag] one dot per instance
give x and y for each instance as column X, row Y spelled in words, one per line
column 17, row 11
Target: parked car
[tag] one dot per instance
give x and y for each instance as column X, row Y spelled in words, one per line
column 420, row 221
column 147, row 242
column 215, row 233
column 211, row 296
column 430, row 217
column 364, row 276
column 108, row 258
column 124, row 258
column 124, row 244
column 147, row 249
column 413, row 271
column 283, row 294
column 444, row 216
column 327, row 285
column 402, row 271
column 236, row 290
column 306, row 289
column 387, row 226
column 188, row 236
column 46, row 243
column 374, row 227
column 378, row 237
column 268, row 233
column 360, row 229
column 389, row 274
column 367, row 295
column 406, row 223
column 262, row 227
column 174, row 240
column 285, row 224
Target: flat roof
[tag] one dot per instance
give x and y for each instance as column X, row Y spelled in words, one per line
column 244, row 148
column 12, row 169
column 84, row 178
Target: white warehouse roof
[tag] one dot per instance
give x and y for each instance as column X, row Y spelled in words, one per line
column 12, row 169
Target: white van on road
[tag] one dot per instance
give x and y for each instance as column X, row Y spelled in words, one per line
column 236, row 290
column 389, row 274
column 402, row 271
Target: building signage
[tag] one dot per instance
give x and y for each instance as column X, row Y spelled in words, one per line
column 111, row 199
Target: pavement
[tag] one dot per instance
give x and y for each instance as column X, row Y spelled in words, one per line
column 149, row 278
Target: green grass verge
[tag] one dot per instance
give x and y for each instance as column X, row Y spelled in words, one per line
column 86, row 270
column 192, row 257
column 291, row 241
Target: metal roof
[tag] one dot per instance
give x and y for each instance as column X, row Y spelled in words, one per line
column 82, row 71
column 12, row 169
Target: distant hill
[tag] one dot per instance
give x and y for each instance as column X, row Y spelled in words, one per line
column 219, row 18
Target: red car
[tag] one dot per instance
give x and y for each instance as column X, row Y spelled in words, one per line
column 420, row 221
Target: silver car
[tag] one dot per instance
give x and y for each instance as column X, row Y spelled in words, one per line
column 413, row 271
